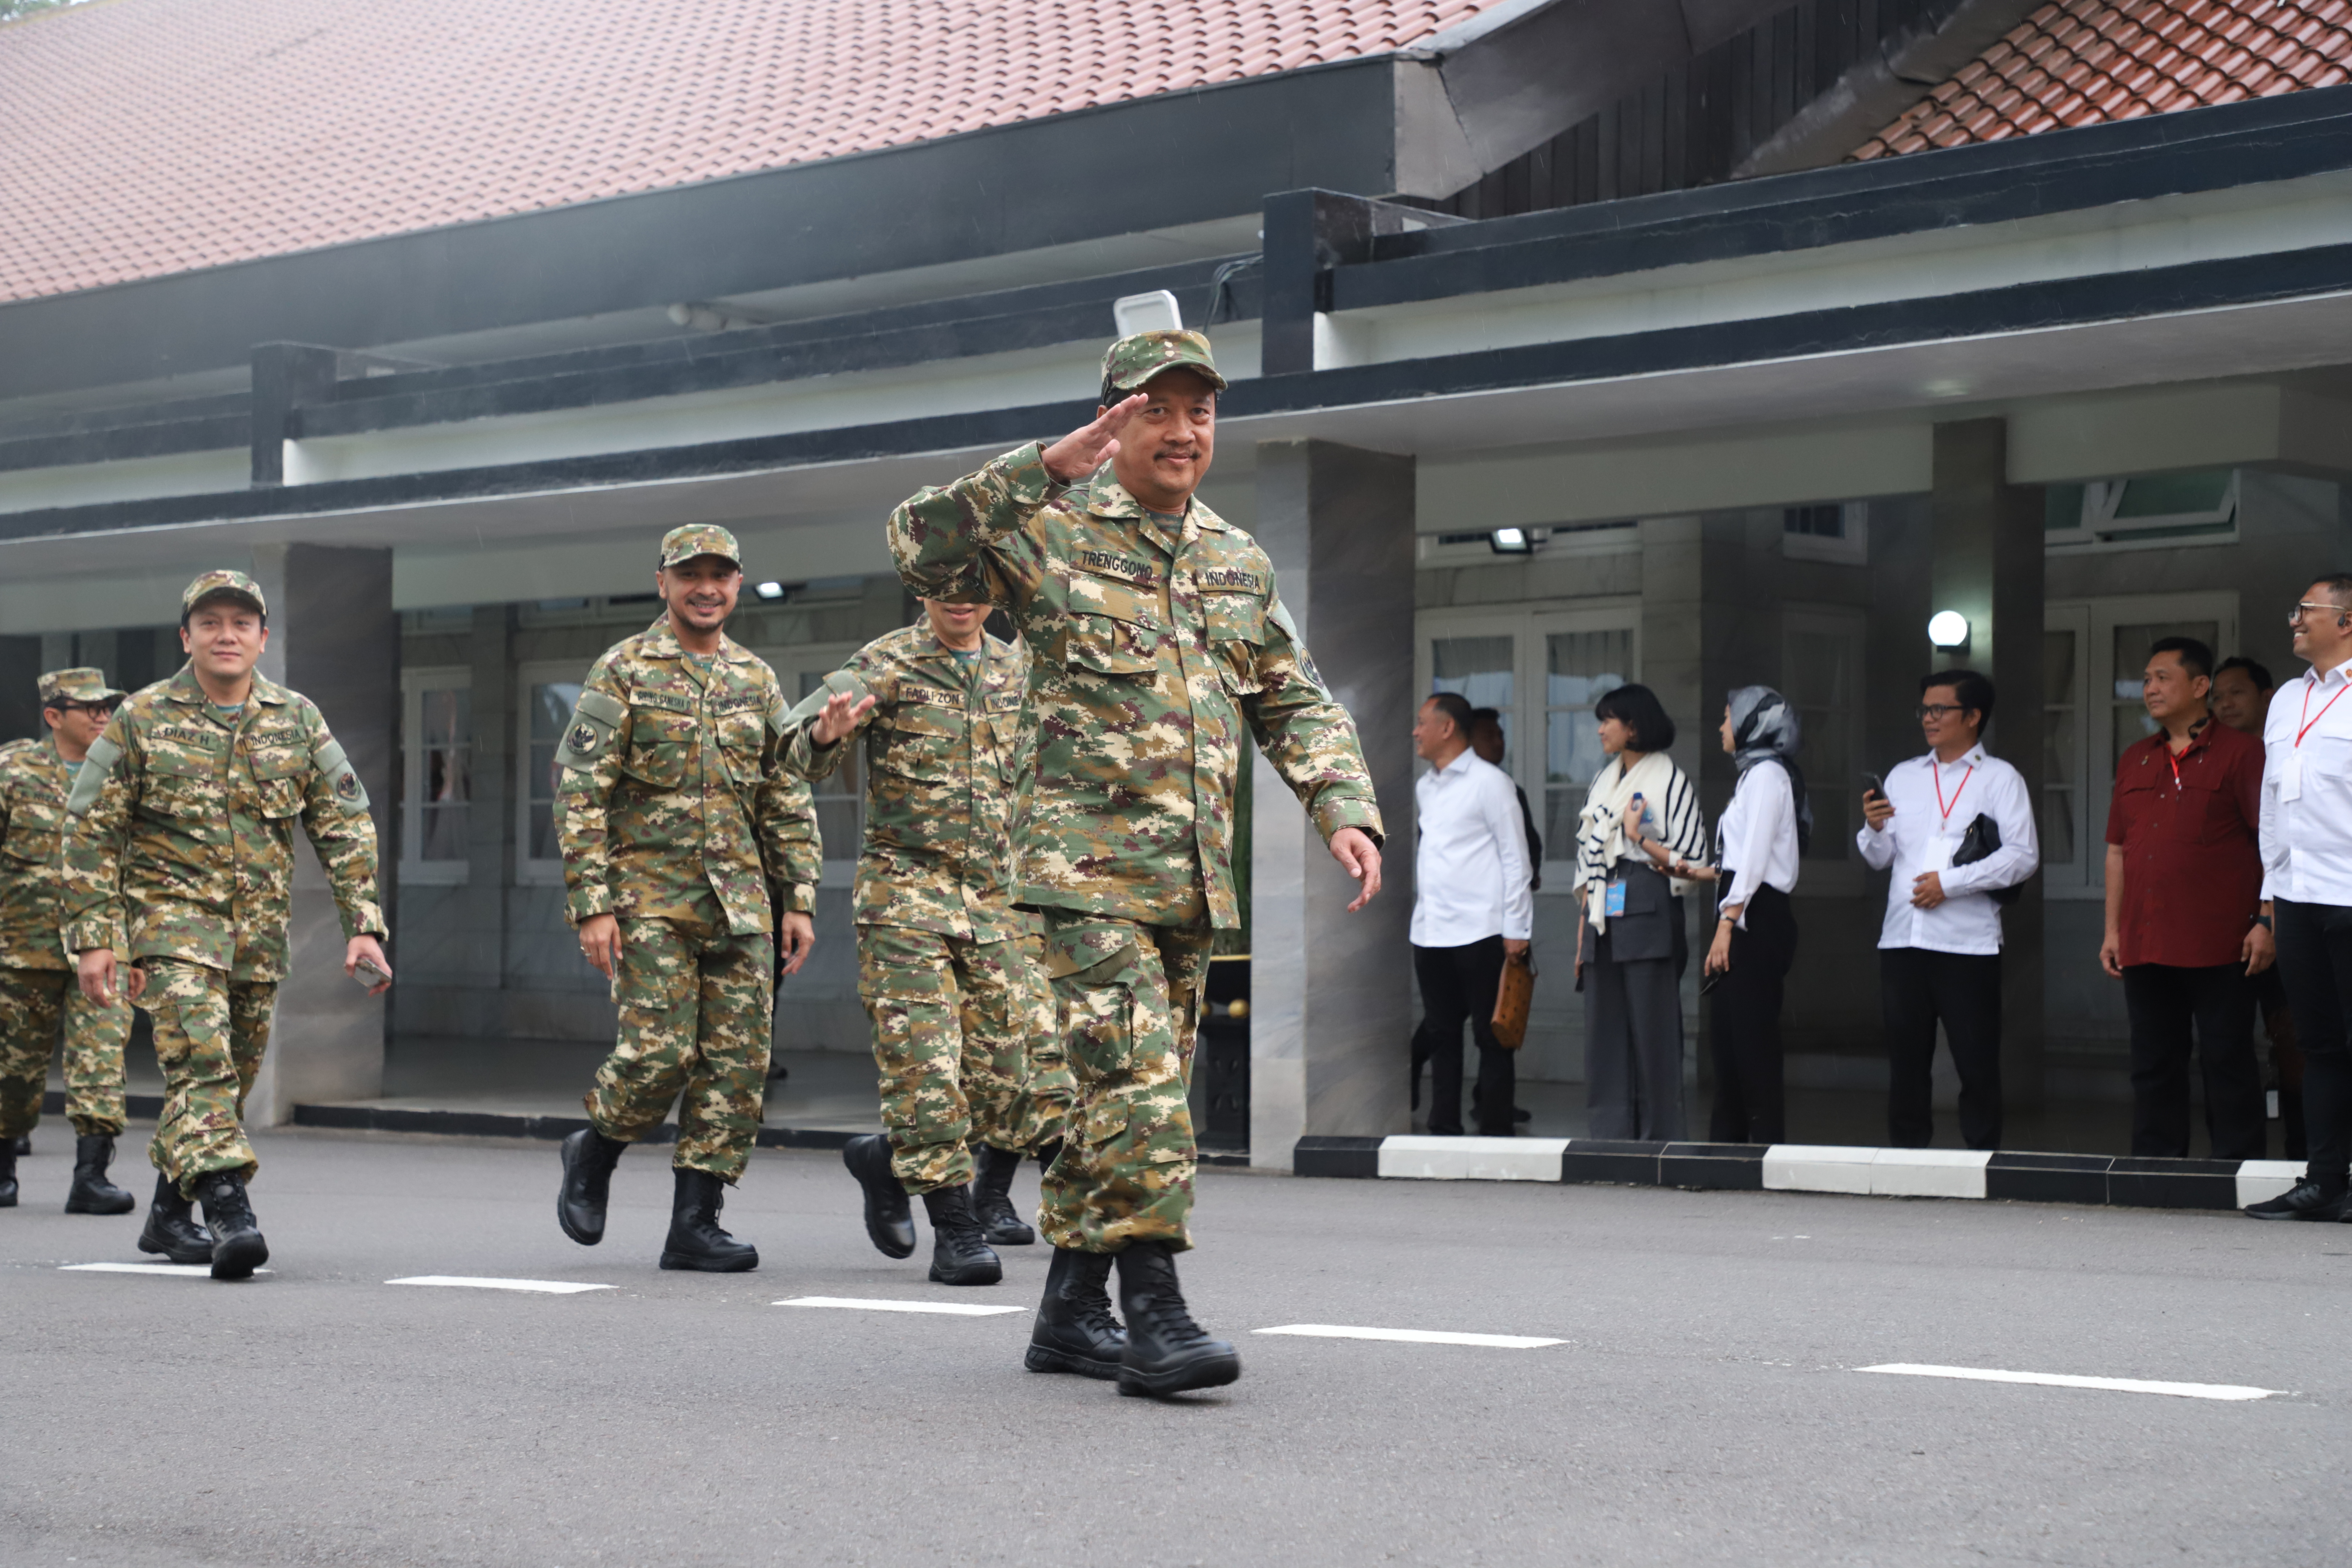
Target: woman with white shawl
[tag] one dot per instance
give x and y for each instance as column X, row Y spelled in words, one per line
column 1641, row 818
column 1759, row 844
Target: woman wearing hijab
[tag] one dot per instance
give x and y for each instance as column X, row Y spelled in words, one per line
column 1641, row 817
column 1763, row 833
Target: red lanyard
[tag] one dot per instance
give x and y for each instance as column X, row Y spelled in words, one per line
column 2167, row 748
column 2309, row 723
column 1935, row 772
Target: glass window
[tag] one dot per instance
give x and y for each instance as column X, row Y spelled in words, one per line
column 1824, row 675
column 840, row 799
column 551, row 706
column 1480, row 671
column 2061, row 746
column 1580, row 668
column 444, row 785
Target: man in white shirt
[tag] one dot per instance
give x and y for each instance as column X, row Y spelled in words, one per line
column 1940, row 948
column 1470, row 906
column 2306, row 846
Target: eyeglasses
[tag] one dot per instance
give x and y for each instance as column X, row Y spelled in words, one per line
column 83, row 707
column 1937, row 710
column 2295, row 617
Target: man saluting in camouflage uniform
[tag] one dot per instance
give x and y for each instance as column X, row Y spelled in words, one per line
column 680, row 826
column 181, row 856
column 37, row 974
column 1160, row 650
column 941, row 963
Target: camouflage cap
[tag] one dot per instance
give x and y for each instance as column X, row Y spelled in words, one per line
column 79, row 685
column 223, row 585
column 682, row 544
column 1138, row 357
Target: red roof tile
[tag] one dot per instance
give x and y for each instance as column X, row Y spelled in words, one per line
column 2082, row 62
column 151, row 136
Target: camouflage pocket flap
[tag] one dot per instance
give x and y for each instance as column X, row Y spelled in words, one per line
column 594, row 719
column 342, row 779
column 276, row 761
column 95, row 770
column 927, row 720
column 1081, row 950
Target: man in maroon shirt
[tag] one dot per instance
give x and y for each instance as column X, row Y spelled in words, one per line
column 2186, row 923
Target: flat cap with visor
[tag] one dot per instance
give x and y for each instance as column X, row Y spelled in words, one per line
column 225, row 585
column 1138, row 357
column 680, row 545
column 81, row 684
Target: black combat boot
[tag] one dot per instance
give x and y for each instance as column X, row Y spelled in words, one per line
column 1167, row 1351
column 1075, row 1330
column 579, row 1198
column 7, row 1172
column 889, row 1217
column 959, row 1254
column 991, row 1198
column 695, row 1241
column 22, row 1145
column 171, row 1228
column 237, row 1247
column 91, row 1193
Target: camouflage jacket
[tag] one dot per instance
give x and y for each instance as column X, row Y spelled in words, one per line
column 674, row 786
column 944, row 751
column 1150, row 660
column 34, row 781
column 182, row 837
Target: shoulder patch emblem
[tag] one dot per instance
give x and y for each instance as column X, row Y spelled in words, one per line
column 582, row 739
column 347, row 788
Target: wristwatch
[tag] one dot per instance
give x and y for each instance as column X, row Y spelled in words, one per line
column 2265, row 922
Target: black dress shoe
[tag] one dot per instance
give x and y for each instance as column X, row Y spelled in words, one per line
column 991, row 1198
column 1522, row 1114
column 580, row 1199
column 959, row 1255
column 2305, row 1200
column 8, row 1177
column 889, row 1217
column 172, row 1229
column 1167, row 1353
column 91, row 1193
column 1075, row 1330
column 237, row 1247
column 24, row 1144
column 695, row 1240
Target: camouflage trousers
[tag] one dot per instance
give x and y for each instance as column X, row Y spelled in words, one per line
column 32, row 1002
column 951, row 1023
column 1128, row 997
column 1047, row 1088
column 210, row 1033
column 697, row 1009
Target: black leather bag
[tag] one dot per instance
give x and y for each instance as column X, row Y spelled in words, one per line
column 1982, row 839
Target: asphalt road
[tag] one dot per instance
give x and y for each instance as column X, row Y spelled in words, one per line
column 1705, row 1406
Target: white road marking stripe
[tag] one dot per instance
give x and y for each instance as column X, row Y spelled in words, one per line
column 1410, row 1336
column 853, row 1303
column 2062, row 1380
column 546, row 1286
column 187, row 1270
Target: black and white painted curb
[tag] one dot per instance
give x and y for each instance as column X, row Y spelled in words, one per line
column 2123, row 1180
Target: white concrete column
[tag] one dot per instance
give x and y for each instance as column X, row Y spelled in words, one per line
column 1331, row 991
column 335, row 637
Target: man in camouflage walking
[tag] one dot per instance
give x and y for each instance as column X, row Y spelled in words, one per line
column 1160, row 651
column 179, row 856
column 682, row 835
column 946, row 965
column 36, row 973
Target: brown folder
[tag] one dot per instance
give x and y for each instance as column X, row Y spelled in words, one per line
column 1513, row 997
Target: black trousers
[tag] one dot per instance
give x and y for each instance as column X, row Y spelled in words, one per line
column 2315, row 960
column 1749, row 1106
column 1458, row 985
column 2164, row 1000
column 1916, row 989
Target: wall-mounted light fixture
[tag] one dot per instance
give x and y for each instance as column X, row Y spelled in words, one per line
column 1511, row 542
column 1154, row 312
column 770, row 590
column 1949, row 629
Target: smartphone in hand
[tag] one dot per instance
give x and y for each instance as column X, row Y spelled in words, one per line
column 369, row 975
column 1873, row 784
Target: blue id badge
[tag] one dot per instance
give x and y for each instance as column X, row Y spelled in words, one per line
column 1616, row 904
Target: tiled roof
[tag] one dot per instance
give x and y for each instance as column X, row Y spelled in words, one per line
column 2082, row 62
column 152, row 136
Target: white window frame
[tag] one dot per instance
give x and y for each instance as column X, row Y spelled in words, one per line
column 2095, row 734
column 2100, row 529
column 413, row 684
column 1846, row 877
column 530, row 873
column 2086, row 876
column 1528, row 624
column 791, row 662
column 1852, row 550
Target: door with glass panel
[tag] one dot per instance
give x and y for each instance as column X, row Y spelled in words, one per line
column 1582, row 664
